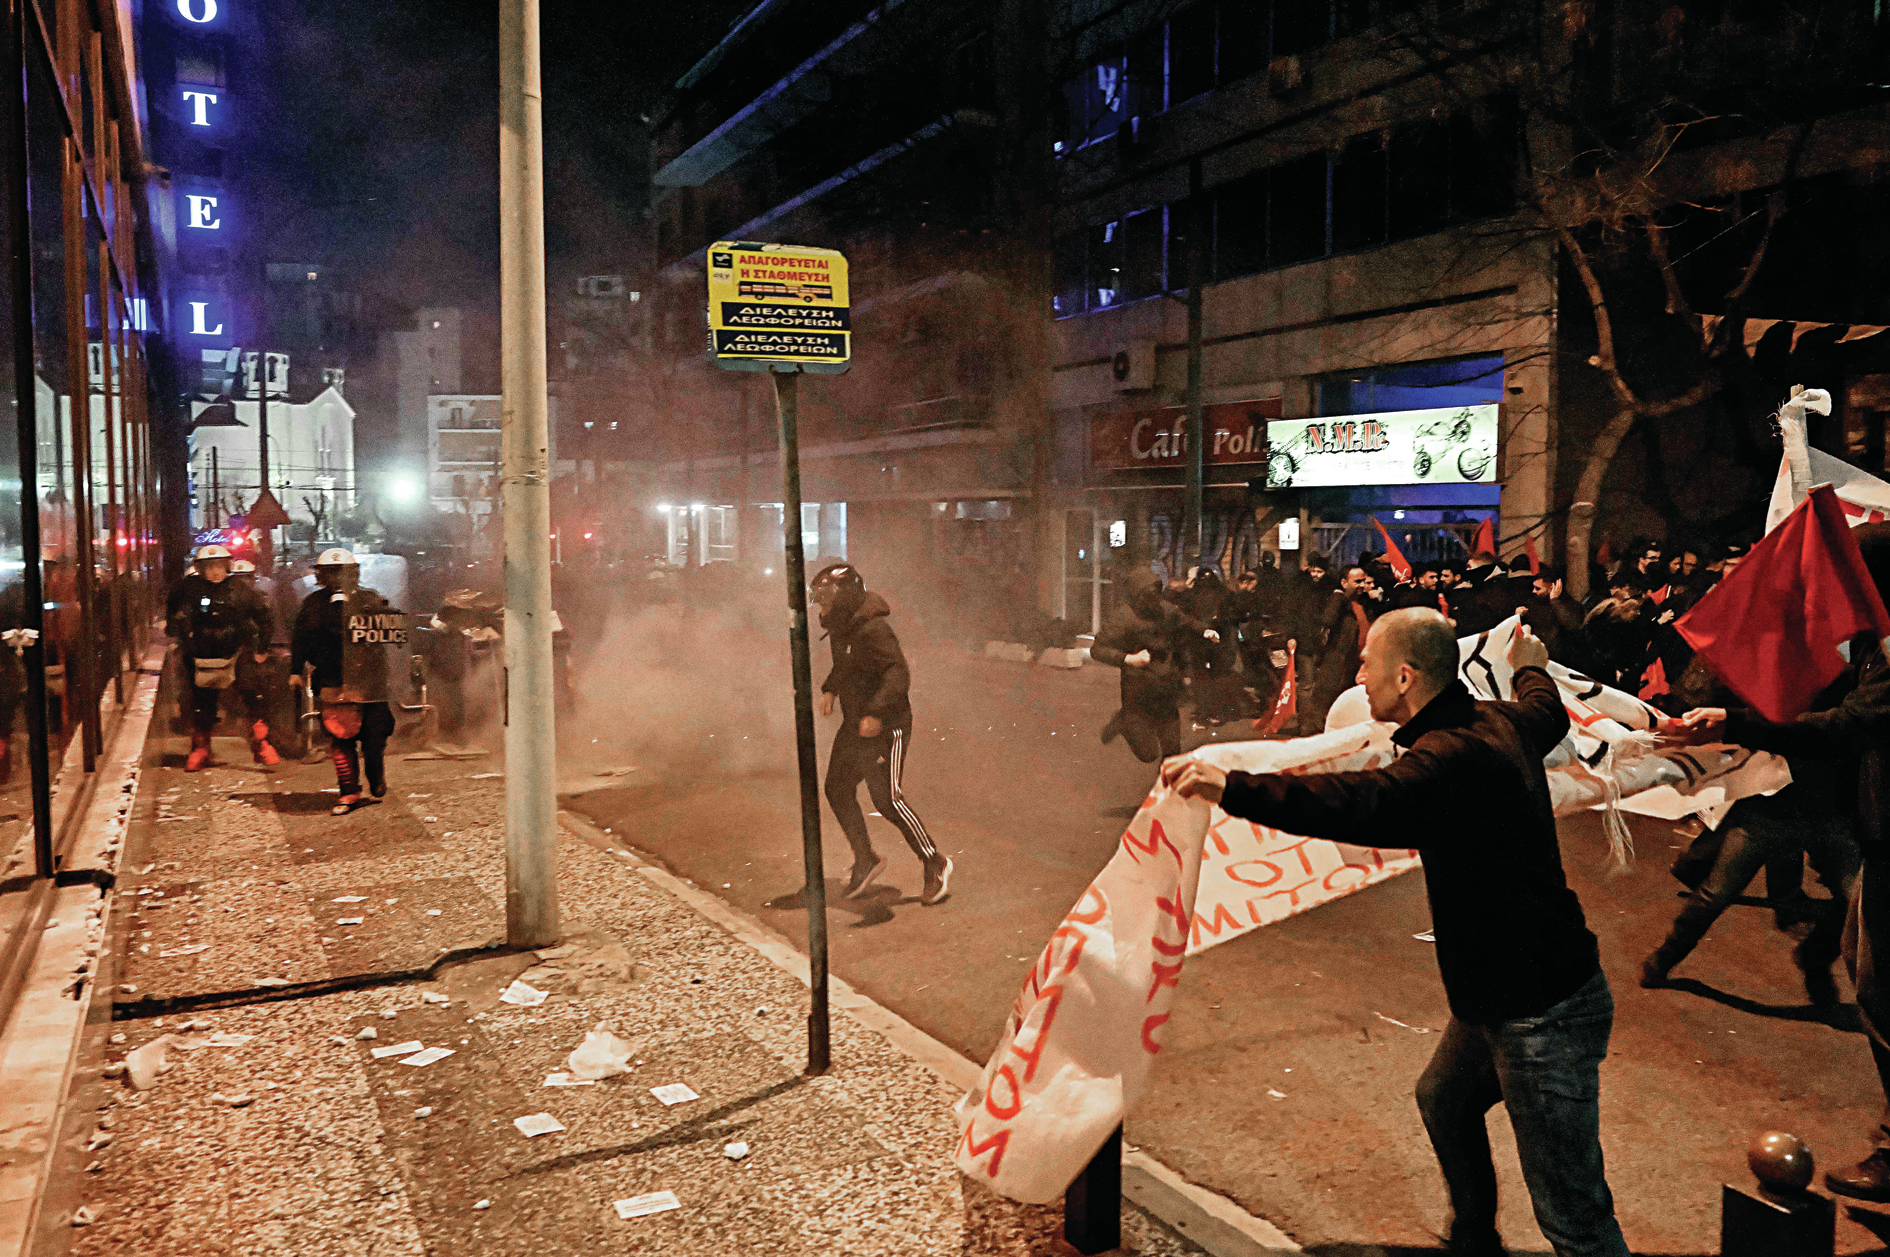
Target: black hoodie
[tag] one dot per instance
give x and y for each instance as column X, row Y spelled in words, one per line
column 1152, row 623
column 869, row 674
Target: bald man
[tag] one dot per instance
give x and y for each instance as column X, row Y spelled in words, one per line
column 1530, row 1010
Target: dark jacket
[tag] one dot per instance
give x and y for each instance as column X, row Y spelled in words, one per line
column 1482, row 602
column 317, row 637
column 1470, row 794
column 217, row 620
column 1852, row 738
column 1342, row 641
column 1156, row 625
column 869, row 674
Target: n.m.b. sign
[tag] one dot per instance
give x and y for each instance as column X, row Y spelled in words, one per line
column 776, row 306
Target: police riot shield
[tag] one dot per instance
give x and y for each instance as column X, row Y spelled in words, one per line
column 375, row 641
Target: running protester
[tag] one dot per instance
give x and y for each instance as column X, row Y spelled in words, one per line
column 1145, row 638
column 358, row 723
column 870, row 679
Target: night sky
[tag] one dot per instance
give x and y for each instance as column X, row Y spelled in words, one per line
column 386, row 126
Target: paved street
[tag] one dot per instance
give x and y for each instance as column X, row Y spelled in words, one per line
column 300, row 1126
column 1009, row 777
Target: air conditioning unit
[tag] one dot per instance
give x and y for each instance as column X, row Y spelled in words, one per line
column 1285, row 76
column 1133, row 366
column 601, row 286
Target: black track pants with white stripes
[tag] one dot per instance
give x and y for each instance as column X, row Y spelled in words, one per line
column 878, row 762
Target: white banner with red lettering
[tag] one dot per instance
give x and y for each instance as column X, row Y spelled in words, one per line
column 1087, row 1025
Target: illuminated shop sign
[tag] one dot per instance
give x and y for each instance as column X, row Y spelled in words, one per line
column 1236, row 433
column 205, row 318
column 1449, row 445
column 198, row 12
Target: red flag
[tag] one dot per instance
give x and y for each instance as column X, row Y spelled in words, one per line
column 1654, row 681
column 1605, row 555
column 1485, row 540
column 1529, row 549
column 1771, row 629
column 1286, row 706
column 1400, row 566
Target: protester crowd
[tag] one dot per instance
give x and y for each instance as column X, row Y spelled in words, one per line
column 1229, row 651
column 1316, row 615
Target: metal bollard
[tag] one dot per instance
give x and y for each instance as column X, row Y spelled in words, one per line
column 1092, row 1206
column 1783, row 1218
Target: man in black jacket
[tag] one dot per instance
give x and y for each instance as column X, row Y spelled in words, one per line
column 870, row 679
column 1530, row 1009
column 1145, row 639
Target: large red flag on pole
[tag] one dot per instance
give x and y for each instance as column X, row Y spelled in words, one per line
column 1529, row 551
column 1400, row 565
column 1771, row 630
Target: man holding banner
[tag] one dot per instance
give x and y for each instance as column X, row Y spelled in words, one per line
column 1531, row 1012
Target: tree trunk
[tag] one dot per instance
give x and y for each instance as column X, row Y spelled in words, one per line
column 1581, row 513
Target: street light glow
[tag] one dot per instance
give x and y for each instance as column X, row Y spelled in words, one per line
column 404, row 488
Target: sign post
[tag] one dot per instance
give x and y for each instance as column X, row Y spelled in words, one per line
column 785, row 310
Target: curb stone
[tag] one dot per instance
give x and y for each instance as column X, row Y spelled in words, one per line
column 1204, row 1217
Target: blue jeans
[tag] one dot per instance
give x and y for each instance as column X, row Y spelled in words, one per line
column 1546, row 1070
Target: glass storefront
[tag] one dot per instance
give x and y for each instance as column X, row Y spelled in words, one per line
column 76, row 494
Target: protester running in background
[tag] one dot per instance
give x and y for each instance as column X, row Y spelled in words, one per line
column 1531, row 1013
column 872, row 682
column 1144, row 638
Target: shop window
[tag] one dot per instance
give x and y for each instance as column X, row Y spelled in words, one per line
column 1296, row 205
column 1190, row 54
column 1241, row 247
column 1358, row 193
column 1413, row 386
column 1141, row 255
column 1420, row 179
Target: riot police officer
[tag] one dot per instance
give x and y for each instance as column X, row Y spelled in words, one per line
column 256, row 678
column 214, row 623
column 335, row 651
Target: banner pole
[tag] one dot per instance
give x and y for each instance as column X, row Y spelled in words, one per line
column 1092, row 1206
column 787, row 410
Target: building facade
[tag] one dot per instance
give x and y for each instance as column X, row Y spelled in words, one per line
column 80, row 563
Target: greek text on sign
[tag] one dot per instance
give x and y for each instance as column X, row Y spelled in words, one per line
column 779, row 303
column 1449, row 445
column 385, row 629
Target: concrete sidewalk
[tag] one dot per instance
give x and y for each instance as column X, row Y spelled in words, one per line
column 276, row 1129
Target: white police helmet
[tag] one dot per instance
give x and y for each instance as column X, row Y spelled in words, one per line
column 206, row 553
column 337, row 557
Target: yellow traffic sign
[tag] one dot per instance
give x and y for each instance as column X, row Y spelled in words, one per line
column 779, row 305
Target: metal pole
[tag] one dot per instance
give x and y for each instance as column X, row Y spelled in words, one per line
column 787, row 404
column 531, row 769
column 1197, row 269
column 1092, row 1205
column 26, row 416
